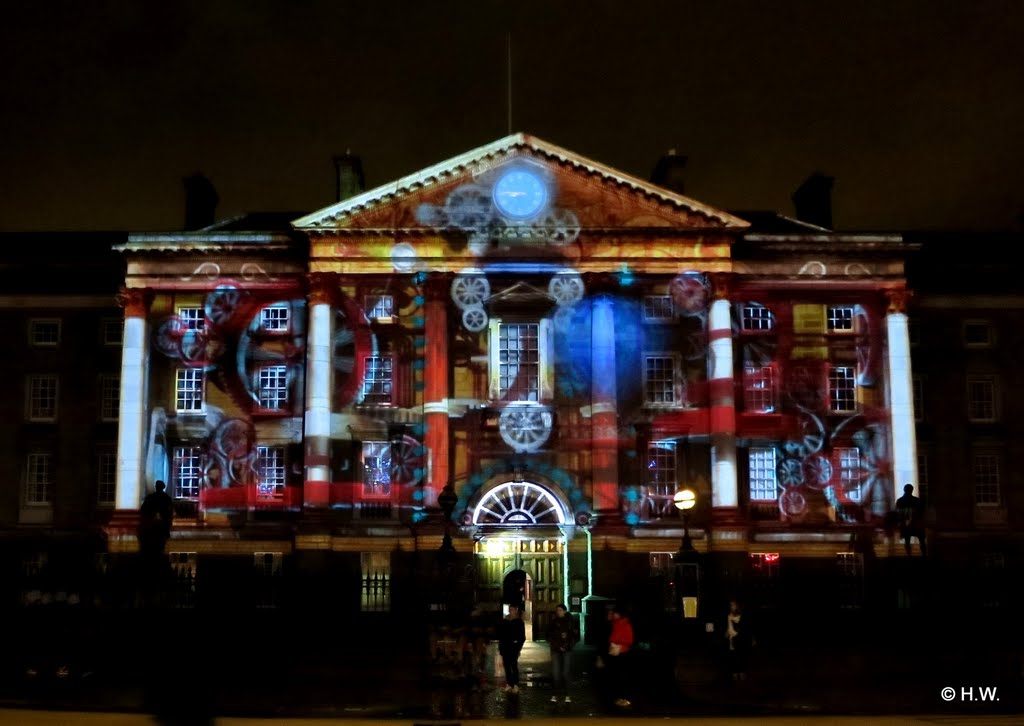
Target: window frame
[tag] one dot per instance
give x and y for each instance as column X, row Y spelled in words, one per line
column 115, row 379
column 278, row 455
column 545, row 384
column 374, row 304
column 366, row 487
column 678, row 389
column 979, row 379
column 751, row 389
column 832, row 318
column 34, row 326
column 106, row 324
column 658, row 494
column 917, row 397
column 201, row 409
column 847, row 463
column 387, row 360
column 832, row 374
column 49, row 484
column 31, row 414
column 745, row 317
column 994, row 459
column 990, row 338
column 276, row 325
column 648, row 318
column 280, row 404
column 197, row 456
column 191, row 317
column 756, row 485
column 104, row 456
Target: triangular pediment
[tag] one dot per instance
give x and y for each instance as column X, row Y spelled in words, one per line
column 465, row 192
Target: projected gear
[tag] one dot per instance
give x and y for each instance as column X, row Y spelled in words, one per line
column 817, row 471
column 524, row 428
column 470, row 290
column 566, row 287
column 792, row 503
column 222, row 304
column 351, row 344
column 689, row 293
column 407, row 461
column 560, row 226
column 232, row 445
column 791, row 473
column 469, row 207
column 474, row 319
column 257, row 350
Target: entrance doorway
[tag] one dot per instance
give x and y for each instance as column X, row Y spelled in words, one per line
column 526, row 569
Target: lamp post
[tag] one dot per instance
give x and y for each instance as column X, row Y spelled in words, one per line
column 447, row 500
column 687, row 559
column 685, row 499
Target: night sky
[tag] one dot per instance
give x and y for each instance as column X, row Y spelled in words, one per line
column 915, row 107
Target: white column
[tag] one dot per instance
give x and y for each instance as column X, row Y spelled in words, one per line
column 724, row 487
column 901, row 400
column 318, row 402
column 132, row 410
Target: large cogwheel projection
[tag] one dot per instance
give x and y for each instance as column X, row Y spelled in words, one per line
column 469, row 207
column 408, row 461
column 690, row 293
column 232, row 460
column 560, row 226
column 352, row 343
column 258, row 349
column 524, row 428
column 470, row 289
column 566, row 288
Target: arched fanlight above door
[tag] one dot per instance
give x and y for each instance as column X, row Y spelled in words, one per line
column 517, row 504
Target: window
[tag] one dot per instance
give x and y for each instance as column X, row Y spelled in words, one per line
column 39, row 479
column 851, row 579
column 850, row 472
column 764, row 565
column 914, row 331
column 377, row 380
column 272, row 387
column 981, row 398
column 42, row 398
column 661, row 387
column 922, row 475
column 192, row 318
column 985, row 469
column 112, row 331
column 764, row 486
column 840, row 318
column 519, row 362
column 658, row 308
column 189, row 462
column 44, row 332
column 271, row 472
column 757, row 317
column 978, row 334
column 660, row 563
column 759, row 389
column 275, row 318
column 106, row 477
column 189, row 390
column 376, row 582
column 842, row 389
column 110, row 396
column 659, row 480
column 918, row 386
column 379, row 307
column 376, row 469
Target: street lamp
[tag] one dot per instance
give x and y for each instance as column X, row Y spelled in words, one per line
column 685, row 499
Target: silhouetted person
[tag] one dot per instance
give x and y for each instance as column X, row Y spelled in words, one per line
column 511, row 636
column 911, row 512
column 562, row 636
column 155, row 518
column 740, row 641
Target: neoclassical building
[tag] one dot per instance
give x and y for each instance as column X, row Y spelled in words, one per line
column 563, row 345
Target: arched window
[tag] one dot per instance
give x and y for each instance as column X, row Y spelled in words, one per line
column 519, row 503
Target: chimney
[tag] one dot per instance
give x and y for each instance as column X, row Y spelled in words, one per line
column 200, row 201
column 670, row 171
column 349, row 180
column 813, row 200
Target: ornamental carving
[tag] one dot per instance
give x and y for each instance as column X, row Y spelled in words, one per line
column 898, row 300
column 135, row 301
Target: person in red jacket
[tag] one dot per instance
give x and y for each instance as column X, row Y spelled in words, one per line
column 620, row 641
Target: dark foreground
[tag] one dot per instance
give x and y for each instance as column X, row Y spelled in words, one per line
column 194, row 667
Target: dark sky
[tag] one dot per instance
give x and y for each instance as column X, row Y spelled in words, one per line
column 915, row 106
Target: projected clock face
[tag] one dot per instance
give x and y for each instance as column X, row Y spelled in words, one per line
column 520, row 194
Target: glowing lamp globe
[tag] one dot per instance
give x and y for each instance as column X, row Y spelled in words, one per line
column 685, row 499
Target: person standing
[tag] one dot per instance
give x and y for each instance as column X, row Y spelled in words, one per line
column 562, row 637
column 911, row 511
column 511, row 636
column 737, row 633
column 620, row 641
column 155, row 518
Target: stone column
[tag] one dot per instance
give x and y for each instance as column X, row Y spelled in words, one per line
column 604, row 417
column 319, row 383
column 435, row 384
column 134, row 404
column 722, row 404
column 901, row 394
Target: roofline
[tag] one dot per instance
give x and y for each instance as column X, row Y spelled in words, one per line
column 450, row 167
